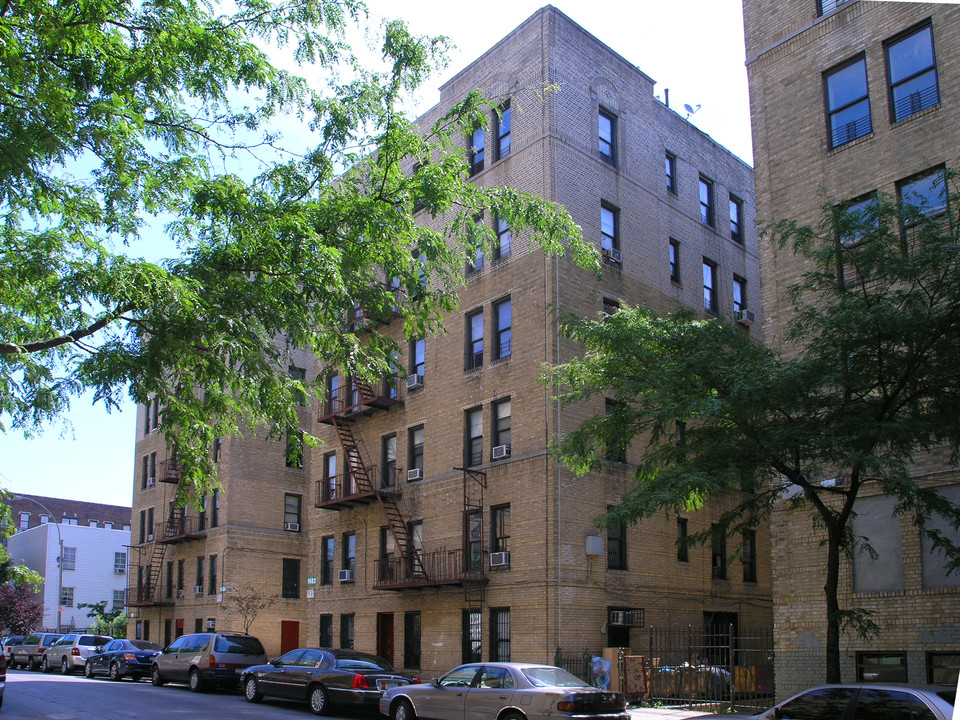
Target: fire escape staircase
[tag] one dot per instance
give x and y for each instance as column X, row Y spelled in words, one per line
column 147, row 589
column 474, row 578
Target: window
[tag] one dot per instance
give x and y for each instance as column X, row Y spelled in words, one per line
column 411, row 640
column 25, row 521
column 706, row 202
column 415, row 449
column 736, row 219
column 503, row 131
column 212, row 575
column 474, row 340
column 683, row 550
column 923, row 194
column 472, row 541
column 215, row 509
column 291, row 578
column 610, row 307
column 943, row 668
column 500, row 528
column 609, row 232
column 882, row 667
column 671, row 170
column 709, row 286
column 349, row 559
column 346, row 631
column 476, row 241
column 181, row 573
column 119, row 599
column 68, row 521
column 674, row 261
column 503, row 333
column 293, row 452
column 473, row 441
column 299, row 375
column 501, row 422
column 739, row 296
column 477, row 139
column 143, row 526
column 826, row 6
column 418, row 203
column 199, row 576
column 855, row 217
column 202, row 520
column 718, row 548
column 848, row 102
column 333, row 395
column 608, row 137
column 749, row 554
column 66, row 597
column 388, row 552
column 120, row 563
column 217, row 449
column 388, row 460
column 106, row 525
column 504, row 240
column 144, row 471
column 418, row 357
column 471, row 637
column 69, row 560
column 616, row 546
column 912, row 73
column 616, row 449
column 415, row 531
column 169, row 583
column 155, row 411
column 500, row 634
column 325, row 638
column 326, row 562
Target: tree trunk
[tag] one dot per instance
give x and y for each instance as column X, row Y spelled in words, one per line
column 830, row 590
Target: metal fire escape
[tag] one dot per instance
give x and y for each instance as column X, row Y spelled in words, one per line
column 474, row 577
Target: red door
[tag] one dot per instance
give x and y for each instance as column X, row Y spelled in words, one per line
column 289, row 635
column 385, row 636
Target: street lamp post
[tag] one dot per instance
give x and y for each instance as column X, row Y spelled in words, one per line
column 59, row 559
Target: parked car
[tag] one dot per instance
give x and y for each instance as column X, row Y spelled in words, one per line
column 205, row 659
column 6, row 645
column 324, row 678
column 119, row 658
column 70, row 652
column 508, row 691
column 3, row 677
column 890, row 701
column 27, row 654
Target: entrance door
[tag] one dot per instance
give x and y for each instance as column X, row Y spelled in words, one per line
column 179, row 626
column 385, row 636
column 289, row 635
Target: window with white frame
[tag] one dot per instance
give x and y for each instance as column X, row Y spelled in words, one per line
column 120, row 563
column 66, row 596
column 69, row 560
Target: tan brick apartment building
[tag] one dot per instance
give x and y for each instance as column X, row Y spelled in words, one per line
column 382, row 540
column 854, row 97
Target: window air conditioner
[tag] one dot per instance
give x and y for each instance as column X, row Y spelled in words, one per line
column 501, row 451
column 151, row 481
column 414, row 382
column 198, row 589
column 414, row 474
column 618, row 617
column 179, row 593
column 346, row 576
column 291, row 527
column 613, row 255
column 499, row 559
column 745, row 317
column 120, row 571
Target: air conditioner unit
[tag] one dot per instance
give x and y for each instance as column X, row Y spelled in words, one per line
column 198, row 589
column 745, row 317
column 120, row 571
column 179, row 593
column 499, row 559
column 414, row 474
column 291, row 527
column 501, row 451
column 346, row 576
column 151, row 481
column 150, row 537
column 613, row 255
column 414, row 382
column 618, row 617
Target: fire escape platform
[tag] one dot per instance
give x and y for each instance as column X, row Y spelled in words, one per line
column 439, row 568
column 179, row 530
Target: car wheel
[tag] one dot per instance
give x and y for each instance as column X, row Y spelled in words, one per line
column 403, row 710
column 64, row 668
column 155, row 678
column 44, row 666
column 250, row 690
column 319, row 703
column 115, row 671
column 513, row 716
column 88, row 669
column 196, row 682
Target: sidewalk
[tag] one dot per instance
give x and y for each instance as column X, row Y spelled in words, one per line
column 665, row 714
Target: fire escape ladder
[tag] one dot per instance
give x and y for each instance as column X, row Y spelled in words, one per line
column 352, row 452
column 474, row 579
column 412, row 568
column 153, row 571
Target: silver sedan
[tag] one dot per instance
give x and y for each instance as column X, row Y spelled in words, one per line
column 510, row 691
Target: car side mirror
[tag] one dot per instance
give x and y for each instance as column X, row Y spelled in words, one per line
column 435, row 682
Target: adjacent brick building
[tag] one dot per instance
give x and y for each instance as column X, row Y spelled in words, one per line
column 432, row 525
column 852, row 98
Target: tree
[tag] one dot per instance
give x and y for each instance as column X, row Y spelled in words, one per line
column 19, row 612
column 116, row 114
column 248, row 602
column 106, row 622
column 869, row 385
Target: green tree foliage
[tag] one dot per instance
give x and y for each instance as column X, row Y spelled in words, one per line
column 870, row 385
column 106, row 622
column 115, row 114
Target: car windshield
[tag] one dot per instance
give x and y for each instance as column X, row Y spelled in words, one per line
column 363, row 663
column 144, row 645
column 243, row 644
column 551, row 677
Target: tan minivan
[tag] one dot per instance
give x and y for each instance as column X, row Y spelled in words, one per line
column 206, row 659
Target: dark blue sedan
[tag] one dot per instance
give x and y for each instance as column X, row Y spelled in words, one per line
column 119, row 658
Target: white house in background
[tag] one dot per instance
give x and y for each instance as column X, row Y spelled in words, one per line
column 94, row 568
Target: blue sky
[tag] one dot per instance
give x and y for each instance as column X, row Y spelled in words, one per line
column 693, row 47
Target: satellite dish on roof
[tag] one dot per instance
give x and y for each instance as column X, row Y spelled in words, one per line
column 690, row 109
